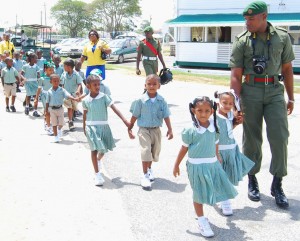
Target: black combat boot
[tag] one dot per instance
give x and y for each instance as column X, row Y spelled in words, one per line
column 253, row 189
column 277, row 192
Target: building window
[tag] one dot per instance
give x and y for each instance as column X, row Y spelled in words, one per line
column 197, row 34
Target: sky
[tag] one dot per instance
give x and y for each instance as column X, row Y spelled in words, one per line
column 29, row 12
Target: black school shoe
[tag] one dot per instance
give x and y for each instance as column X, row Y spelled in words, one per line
column 7, row 109
column 36, row 114
column 71, row 126
column 13, row 109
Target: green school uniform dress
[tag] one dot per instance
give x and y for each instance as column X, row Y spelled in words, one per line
column 31, row 73
column 235, row 164
column 208, row 180
column 97, row 130
column 44, row 82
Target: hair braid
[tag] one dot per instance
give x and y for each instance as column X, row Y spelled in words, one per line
column 193, row 115
column 215, row 116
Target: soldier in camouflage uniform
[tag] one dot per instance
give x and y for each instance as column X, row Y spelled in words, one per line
column 150, row 50
column 260, row 57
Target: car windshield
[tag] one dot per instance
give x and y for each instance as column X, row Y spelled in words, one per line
column 116, row 43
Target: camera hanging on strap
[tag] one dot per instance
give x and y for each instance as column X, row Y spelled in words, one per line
column 260, row 61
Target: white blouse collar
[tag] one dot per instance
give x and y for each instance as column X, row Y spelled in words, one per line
column 99, row 96
column 210, row 128
column 32, row 66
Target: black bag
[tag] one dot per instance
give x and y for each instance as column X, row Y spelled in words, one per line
column 104, row 55
column 165, row 76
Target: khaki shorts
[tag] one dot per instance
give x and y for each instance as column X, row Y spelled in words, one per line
column 10, row 90
column 57, row 116
column 150, row 143
column 71, row 104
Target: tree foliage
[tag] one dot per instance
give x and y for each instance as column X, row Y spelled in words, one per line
column 113, row 15
column 72, row 15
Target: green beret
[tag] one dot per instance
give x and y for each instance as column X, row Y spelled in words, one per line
column 254, row 8
column 148, row 29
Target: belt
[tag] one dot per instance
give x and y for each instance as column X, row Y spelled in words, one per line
column 202, row 160
column 56, row 107
column 261, row 79
column 31, row 79
column 9, row 83
column 150, row 127
column 149, row 58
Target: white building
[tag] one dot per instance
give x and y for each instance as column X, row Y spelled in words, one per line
column 205, row 30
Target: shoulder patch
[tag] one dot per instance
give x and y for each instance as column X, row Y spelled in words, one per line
column 282, row 29
column 242, row 34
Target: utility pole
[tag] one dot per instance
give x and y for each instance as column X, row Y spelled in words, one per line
column 45, row 17
column 16, row 25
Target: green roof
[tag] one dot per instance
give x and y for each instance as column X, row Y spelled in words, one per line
column 231, row 19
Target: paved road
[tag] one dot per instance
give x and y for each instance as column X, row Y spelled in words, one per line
column 165, row 213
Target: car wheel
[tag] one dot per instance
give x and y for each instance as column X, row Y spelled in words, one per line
column 121, row 58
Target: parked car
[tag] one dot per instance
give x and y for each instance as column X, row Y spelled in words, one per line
column 123, row 49
column 66, row 42
column 65, row 48
column 75, row 50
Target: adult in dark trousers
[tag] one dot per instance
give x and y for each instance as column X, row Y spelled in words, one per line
column 150, row 51
column 262, row 57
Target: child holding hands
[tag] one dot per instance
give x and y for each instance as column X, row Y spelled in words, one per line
column 95, row 123
column 235, row 164
column 10, row 77
column 208, row 180
column 150, row 110
column 54, row 105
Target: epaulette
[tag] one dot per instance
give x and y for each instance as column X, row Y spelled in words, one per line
column 242, row 34
column 282, row 29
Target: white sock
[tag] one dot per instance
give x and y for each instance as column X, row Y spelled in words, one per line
column 201, row 219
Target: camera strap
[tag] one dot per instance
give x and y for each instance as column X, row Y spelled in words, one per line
column 254, row 40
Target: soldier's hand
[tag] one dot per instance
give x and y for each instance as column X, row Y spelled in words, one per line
column 137, row 71
column 290, row 107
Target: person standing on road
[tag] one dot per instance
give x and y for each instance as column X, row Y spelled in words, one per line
column 208, row 180
column 6, row 44
column 94, row 52
column 71, row 82
column 149, row 49
column 150, row 110
column 30, row 74
column 95, row 125
column 10, row 76
column 24, row 39
column 45, row 85
column 262, row 56
column 54, row 106
column 235, row 164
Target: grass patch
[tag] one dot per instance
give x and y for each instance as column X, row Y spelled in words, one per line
column 183, row 76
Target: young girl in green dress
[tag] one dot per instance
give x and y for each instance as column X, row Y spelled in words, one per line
column 208, row 180
column 30, row 75
column 235, row 164
column 95, row 123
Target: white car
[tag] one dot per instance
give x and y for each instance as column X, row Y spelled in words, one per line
column 65, row 49
column 58, row 46
column 75, row 50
